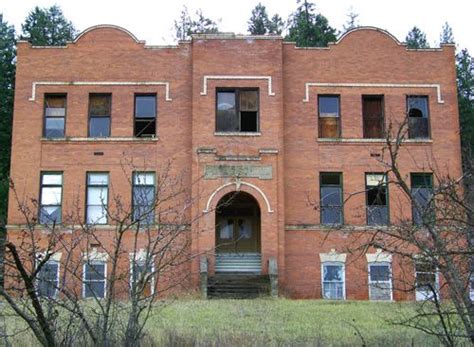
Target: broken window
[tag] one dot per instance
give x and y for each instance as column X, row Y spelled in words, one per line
column 145, row 115
column 237, row 110
column 97, row 198
column 329, row 116
column 331, row 198
column 380, row 281
column 99, row 115
column 54, row 115
column 50, row 199
column 418, row 117
column 377, row 199
column 141, row 277
column 422, row 192
column 372, row 114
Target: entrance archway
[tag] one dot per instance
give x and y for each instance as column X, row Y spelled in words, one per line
column 238, row 241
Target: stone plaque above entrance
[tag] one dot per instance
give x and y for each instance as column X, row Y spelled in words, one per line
column 254, row 171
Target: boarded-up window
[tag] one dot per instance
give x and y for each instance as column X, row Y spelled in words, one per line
column 99, row 115
column 376, row 199
column 145, row 115
column 329, row 116
column 418, row 117
column 372, row 114
column 237, row 110
column 54, row 115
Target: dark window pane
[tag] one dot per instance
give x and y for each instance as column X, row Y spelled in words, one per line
column 145, row 106
column 95, row 271
column 328, row 106
column 227, row 119
column 99, row 127
column 418, row 126
column 332, row 272
column 372, row 112
column 330, row 179
column 145, row 127
column 54, row 127
column 380, row 273
column 248, row 121
column 248, row 100
column 422, row 180
column 94, row 289
column 48, row 280
column 377, row 196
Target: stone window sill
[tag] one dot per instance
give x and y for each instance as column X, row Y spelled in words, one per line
column 366, row 141
column 100, row 139
column 248, row 134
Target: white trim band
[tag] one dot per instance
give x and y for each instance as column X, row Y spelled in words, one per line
column 332, row 257
column 379, row 257
column 372, row 85
column 223, row 77
column 100, row 83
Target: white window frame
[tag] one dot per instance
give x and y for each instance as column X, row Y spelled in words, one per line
column 421, row 295
column 105, row 204
column 58, row 271
column 390, row 281
column 334, row 263
column 84, row 281
column 140, row 261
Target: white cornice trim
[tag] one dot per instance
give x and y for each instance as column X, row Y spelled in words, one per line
column 237, row 184
column 224, row 77
column 100, row 83
column 372, row 85
column 332, row 256
column 379, row 257
column 53, row 257
column 95, row 255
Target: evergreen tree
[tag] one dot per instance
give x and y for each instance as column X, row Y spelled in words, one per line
column 309, row 29
column 47, row 27
column 260, row 24
column 7, row 83
column 259, row 21
column 416, row 39
column 465, row 81
column 352, row 21
column 446, row 34
column 185, row 26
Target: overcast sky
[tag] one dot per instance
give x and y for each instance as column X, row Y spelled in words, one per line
column 153, row 20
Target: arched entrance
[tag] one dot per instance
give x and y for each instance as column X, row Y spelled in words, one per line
column 238, row 233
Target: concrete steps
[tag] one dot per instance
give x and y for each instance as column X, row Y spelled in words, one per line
column 239, row 263
column 238, row 286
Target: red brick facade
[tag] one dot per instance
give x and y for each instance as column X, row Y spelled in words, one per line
column 365, row 61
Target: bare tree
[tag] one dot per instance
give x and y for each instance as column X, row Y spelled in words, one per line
column 121, row 267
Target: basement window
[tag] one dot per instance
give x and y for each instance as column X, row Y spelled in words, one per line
column 94, row 284
column 376, row 199
column 54, row 115
column 418, row 117
column 426, row 274
column 237, row 110
column 99, row 115
column 145, row 115
column 329, row 116
column 333, row 281
column 380, row 281
column 48, row 279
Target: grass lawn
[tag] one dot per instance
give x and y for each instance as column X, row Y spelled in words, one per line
column 269, row 322
column 283, row 322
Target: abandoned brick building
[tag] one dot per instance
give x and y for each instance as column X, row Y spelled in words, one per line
column 288, row 128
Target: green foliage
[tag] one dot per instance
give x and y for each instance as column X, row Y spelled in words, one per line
column 465, row 80
column 308, row 28
column 185, row 26
column 416, row 39
column 7, row 82
column 47, row 27
column 446, row 34
column 260, row 24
